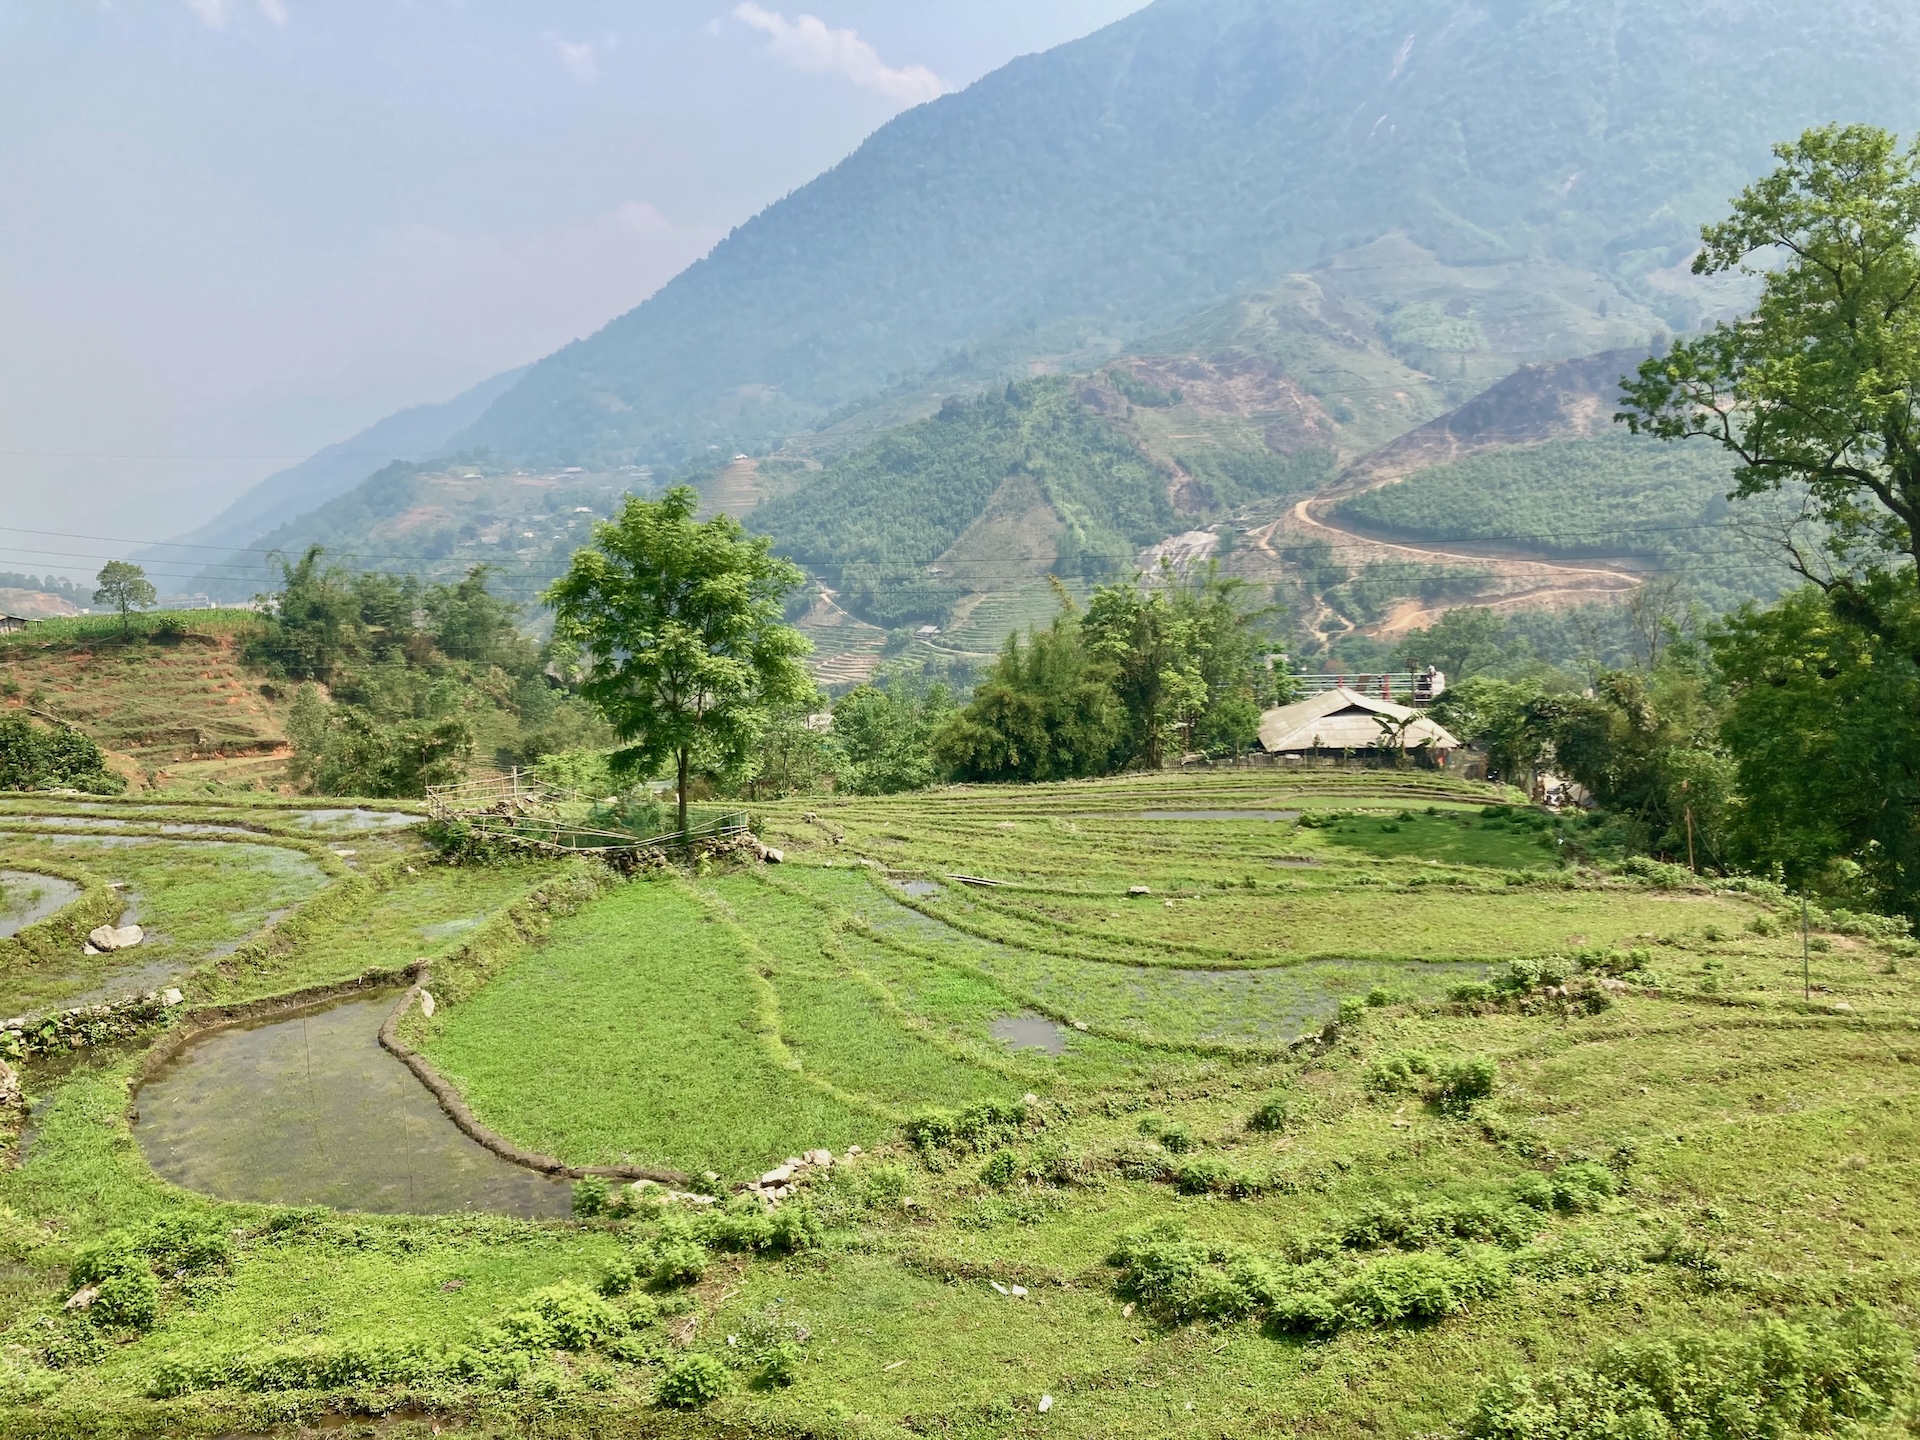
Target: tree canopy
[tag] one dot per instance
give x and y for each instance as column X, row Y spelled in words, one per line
column 125, row 587
column 678, row 622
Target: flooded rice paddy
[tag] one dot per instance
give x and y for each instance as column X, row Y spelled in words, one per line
column 27, row 898
column 307, row 1109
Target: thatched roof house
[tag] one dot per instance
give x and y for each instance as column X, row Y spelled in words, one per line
column 1343, row 719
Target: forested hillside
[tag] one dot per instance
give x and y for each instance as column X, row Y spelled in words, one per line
column 1074, row 199
column 1614, row 496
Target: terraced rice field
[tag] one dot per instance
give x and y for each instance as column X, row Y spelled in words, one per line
column 1219, row 1104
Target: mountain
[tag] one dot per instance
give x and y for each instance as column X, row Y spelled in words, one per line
column 1074, row 201
column 411, row 435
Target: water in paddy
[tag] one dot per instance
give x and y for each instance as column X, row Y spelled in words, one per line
column 1219, row 814
column 309, row 1110
column 27, row 899
column 1029, row 1032
column 354, row 819
column 919, row 889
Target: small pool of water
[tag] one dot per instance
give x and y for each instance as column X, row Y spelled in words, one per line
column 1219, row 815
column 354, row 819
column 1029, row 1032
column 27, row 898
column 919, row 889
column 309, row 1110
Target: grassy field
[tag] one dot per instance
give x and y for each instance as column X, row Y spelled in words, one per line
column 1378, row 1101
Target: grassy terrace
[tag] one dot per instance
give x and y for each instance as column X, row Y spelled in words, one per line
column 1354, row 1235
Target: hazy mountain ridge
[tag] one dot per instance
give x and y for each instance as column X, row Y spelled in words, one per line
column 1196, row 149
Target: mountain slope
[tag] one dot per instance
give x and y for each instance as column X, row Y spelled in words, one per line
column 1078, row 198
column 413, row 434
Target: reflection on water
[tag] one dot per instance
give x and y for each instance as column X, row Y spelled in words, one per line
column 354, row 819
column 27, row 899
column 1030, row 1032
column 309, row 1110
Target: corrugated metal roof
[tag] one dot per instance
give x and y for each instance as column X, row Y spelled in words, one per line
column 1342, row 719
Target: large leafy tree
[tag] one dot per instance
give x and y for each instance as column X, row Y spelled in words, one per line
column 125, row 587
column 1820, row 384
column 679, row 626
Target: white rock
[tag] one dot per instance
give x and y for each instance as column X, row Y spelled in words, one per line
column 108, row 938
column 998, row 1286
column 1046, row 1404
column 1079, row 1024
column 1843, row 1007
column 89, row 950
column 822, row 1158
column 171, row 996
column 1018, row 1291
column 1126, row 1311
column 1138, row 890
column 82, row 1298
column 773, row 856
column 853, row 1149
column 779, row 1175
column 426, row 1003
column 346, row 854
column 1030, row 1098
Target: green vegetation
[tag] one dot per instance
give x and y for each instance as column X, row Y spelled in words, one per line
column 418, row 678
column 1616, row 496
column 125, row 587
column 679, row 625
column 1490, row 1146
column 875, row 521
column 35, row 756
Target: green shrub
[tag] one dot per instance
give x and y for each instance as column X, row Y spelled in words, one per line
column 1001, row 1170
column 1461, row 1084
column 129, row 1297
column 692, row 1381
column 1419, row 1287
column 1406, row 1223
column 1470, row 992
column 1777, row 1380
column 1398, row 1073
column 1270, row 1115
column 676, row 1261
column 781, row 1365
column 1176, row 1139
column 970, row 1131
column 1352, row 1007
column 1582, row 1185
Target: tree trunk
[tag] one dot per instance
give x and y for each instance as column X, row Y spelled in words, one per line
column 683, row 792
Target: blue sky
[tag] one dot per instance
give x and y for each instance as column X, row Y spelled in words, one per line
column 236, row 230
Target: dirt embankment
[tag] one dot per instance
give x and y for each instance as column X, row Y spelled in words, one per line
column 1569, row 400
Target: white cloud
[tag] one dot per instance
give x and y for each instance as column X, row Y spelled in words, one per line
column 577, row 57
column 807, row 44
column 216, row 13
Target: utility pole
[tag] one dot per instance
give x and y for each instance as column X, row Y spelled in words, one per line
column 1685, row 786
column 1806, row 964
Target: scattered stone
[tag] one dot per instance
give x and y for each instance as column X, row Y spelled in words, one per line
column 1126, row 1311
column 779, row 1175
column 426, row 1003
column 116, row 884
column 1018, row 1291
column 853, row 1150
column 793, row 1162
column 1843, row 1007
column 998, row 1286
column 821, row 1158
column 171, row 997
column 710, row 1176
column 82, row 1298
column 1029, row 1099
column 1046, row 1404
column 108, row 938
column 810, row 818
column 1138, row 890
column 1078, row 1024
column 1167, row 903
column 89, row 950
column 9, row 1084
column 346, row 854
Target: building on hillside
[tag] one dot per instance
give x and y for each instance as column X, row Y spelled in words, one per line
column 13, row 624
column 1343, row 721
